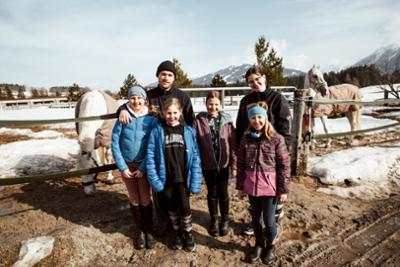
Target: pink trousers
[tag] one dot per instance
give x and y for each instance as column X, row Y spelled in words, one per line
column 138, row 188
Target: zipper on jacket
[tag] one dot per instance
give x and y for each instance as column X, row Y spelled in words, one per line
column 257, row 166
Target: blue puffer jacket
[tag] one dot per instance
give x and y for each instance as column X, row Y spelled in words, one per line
column 155, row 160
column 129, row 142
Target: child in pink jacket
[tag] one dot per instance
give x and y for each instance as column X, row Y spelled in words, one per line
column 263, row 172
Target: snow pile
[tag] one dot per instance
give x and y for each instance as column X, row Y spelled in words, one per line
column 36, row 156
column 34, row 250
column 363, row 172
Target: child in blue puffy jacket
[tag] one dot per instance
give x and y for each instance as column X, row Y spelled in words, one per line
column 129, row 147
column 174, row 170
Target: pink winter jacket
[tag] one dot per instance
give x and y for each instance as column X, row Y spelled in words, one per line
column 263, row 166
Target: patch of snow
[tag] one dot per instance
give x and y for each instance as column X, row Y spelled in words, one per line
column 34, row 250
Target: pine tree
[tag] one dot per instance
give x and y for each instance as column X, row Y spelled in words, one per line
column 34, row 93
column 9, row 92
column 181, row 78
column 21, row 92
column 128, row 83
column 218, row 81
column 74, row 92
column 271, row 64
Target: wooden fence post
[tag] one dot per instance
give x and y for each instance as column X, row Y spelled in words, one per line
column 298, row 112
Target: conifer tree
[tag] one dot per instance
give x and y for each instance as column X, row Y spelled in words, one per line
column 21, row 92
column 128, row 83
column 34, row 93
column 9, row 92
column 218, row 81
column 74, row 92
column 181, row 78
column 270, row 63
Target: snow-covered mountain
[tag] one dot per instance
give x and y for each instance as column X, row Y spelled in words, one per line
column 232, row 74
column 386, row 58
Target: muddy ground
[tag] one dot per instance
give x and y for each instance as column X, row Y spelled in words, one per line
column 317, row 229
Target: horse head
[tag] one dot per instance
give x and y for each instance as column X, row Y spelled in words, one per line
column 315, row 79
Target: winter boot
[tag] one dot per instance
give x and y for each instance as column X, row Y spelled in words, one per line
column 188, row 242
column 269, row 255
column 176, row 224
column 213, row 209
column 139, row 238
column 224, row 207
column 147, row 221
column 178, row 241
column 256, row 254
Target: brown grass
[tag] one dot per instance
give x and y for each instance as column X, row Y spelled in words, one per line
column 9, row 138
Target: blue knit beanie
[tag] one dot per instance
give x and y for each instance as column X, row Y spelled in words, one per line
column 137, row 91
column 256, row 110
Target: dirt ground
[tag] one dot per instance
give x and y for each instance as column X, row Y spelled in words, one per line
column 317, row 229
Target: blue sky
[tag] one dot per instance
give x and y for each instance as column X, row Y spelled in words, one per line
column 97, row 43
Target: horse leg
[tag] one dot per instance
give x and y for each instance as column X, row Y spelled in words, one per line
column 108, row 160
column 324, row 120
column 89, row 184
column 354, row 118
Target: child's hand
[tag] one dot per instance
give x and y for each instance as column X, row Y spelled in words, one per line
column 124, row 117
column 127, row 174
column 137, row 174
column 283, row 198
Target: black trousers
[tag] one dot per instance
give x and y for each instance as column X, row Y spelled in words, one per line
column 176, row 199
column 263, row 206
column 217, row 183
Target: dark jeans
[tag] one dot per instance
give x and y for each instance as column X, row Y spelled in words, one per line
column 263, row 206
column 217, row 183
column 176, row 199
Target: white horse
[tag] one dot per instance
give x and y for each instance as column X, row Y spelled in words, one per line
column 317, row 87
column 94, row 136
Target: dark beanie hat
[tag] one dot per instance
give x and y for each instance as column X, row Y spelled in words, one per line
column 166, row 65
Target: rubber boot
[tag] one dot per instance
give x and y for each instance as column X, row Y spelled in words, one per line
column 147, row 221
column 213, row 210
column 269, row 255
column 139, row 237
column 256, row 254
column 224, row 207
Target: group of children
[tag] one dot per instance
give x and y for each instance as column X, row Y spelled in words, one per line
column 167, row 155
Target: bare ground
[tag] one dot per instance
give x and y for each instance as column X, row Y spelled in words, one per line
column 317, row 229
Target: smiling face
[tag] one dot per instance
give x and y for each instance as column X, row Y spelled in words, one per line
column 166, row 79
column 172, row 114
column 258, row 122
column 257, row 82
column 213, row 106
column 137, row 104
